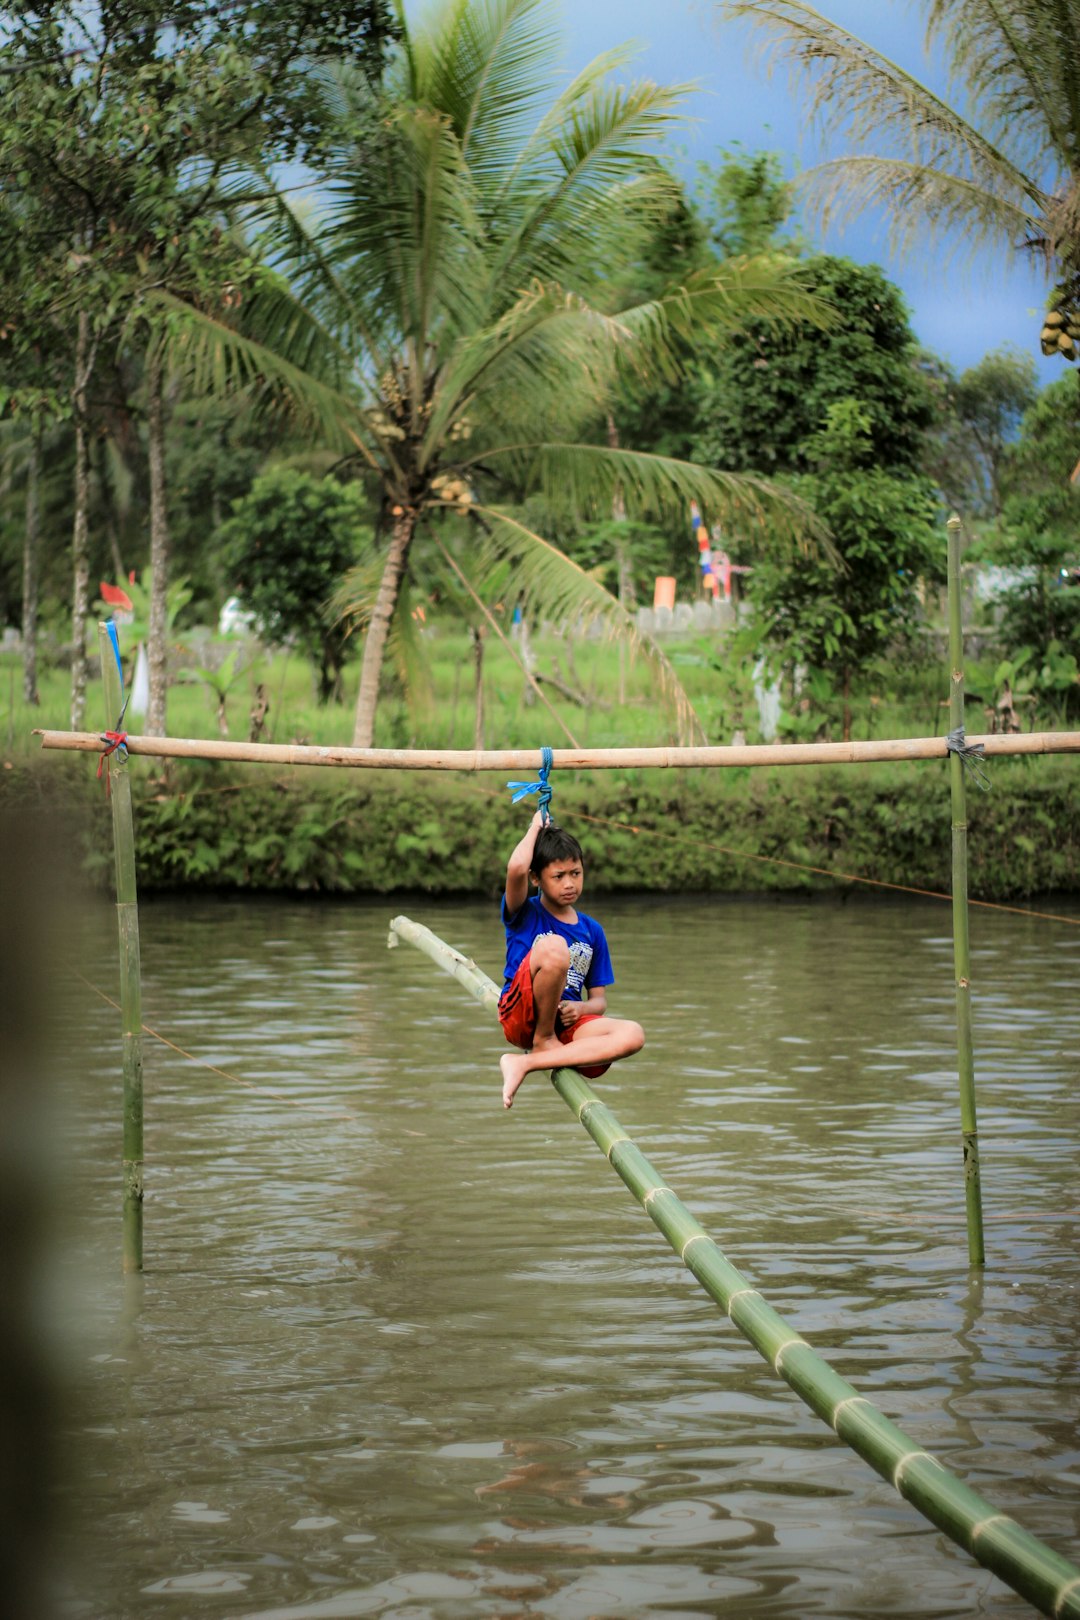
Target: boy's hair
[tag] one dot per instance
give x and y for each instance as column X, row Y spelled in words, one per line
column 554, row 844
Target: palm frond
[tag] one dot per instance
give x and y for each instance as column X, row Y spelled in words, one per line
column 215, row 358
column 592, row 170
column 463, row 590
column 404, row 235
column 554, row 587
column 585, row 477
column 1019, row 65
column 484, row 64
column 353, row 601
column 962, row 216
column 855, row 89
column 581, row 87
column 293, row 240
column 552, row 346
column 406, row 650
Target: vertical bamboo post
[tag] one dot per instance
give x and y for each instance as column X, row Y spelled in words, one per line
column 961, row 949
column 127, row 915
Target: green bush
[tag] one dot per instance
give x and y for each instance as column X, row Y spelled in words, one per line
column 359, row 832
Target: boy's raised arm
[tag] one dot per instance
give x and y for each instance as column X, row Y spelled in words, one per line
column 519, row 866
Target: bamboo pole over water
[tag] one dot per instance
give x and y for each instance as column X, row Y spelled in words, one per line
column 1042, row 1576
column 969, row 1127
column 127, row 916
column 879, row 751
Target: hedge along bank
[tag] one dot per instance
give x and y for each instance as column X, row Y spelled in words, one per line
column 213, row 827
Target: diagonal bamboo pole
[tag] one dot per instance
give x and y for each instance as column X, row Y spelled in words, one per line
column 1041, row 1575
column 127, row 916
column 878, row 751
column 969, row 1127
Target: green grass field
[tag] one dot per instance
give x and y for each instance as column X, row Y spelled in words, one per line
column 621, row 701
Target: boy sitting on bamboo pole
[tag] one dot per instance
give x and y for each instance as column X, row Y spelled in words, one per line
column 557, row 966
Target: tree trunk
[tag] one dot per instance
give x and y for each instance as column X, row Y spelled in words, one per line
column 618, row 500
column 32, row 562
column 80, row 532
column 379, row 628
column 478, row 631
column 528, row 662
column 158, row 647
column 622, row 560
column 847, row 702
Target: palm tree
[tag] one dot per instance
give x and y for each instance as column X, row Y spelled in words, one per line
column 1003, row 175
column 443, row 316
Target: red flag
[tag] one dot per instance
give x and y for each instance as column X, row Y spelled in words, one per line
column 116, row 597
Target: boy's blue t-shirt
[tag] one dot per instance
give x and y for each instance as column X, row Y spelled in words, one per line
column 590, row 961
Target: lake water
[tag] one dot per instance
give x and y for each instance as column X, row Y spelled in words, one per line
column 398, row 1353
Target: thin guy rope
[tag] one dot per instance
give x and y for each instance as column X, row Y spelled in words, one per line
column 804, row 866
column 264, row 1091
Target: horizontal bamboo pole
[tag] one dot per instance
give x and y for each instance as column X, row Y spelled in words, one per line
column 1041, row 1575
column 594, row 759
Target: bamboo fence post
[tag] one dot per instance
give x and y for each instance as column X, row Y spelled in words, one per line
column 969, row 1127
column 127, row 915
column 1042, row 1576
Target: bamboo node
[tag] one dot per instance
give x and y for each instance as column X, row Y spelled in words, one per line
column 1063, row 1597
column 738, row 1294
column 984, row 1524
column 908, row 1457
column 652, row 1192
column 695, row 1237
column 778, row 1362
column 849, row 1400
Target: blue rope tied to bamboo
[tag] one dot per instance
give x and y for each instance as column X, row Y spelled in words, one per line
column 968, row 755
column 521, row 790
column 115, row 740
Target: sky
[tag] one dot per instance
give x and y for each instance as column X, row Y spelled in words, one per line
column 959, row 310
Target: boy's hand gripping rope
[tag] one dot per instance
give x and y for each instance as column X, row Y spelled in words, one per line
column 521, row 790
column 968, row 755
column 115, row 740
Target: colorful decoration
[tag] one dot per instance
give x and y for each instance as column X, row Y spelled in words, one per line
column 701, row 535
column 716, row 566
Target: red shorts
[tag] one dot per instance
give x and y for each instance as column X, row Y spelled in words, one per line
column 517, row 1015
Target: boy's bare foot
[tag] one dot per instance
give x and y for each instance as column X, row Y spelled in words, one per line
column 513, row 1066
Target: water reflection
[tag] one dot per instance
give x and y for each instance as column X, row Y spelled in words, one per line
column 397, row 1353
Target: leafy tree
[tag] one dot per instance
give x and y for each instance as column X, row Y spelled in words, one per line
column 737, row 209
column 978, row 416
column 124, row 130
column 447, row 319
column 746, row 201
column 843, row 415
column 286, row 546
column 766, row 393
column 837, row 619
column 1006, row 177
column 1039, row 531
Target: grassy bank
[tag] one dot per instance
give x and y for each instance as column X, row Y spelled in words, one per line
column 342, row 832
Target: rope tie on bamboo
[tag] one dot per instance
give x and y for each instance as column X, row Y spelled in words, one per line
column 521, row 790
column 968, row 755
column 116, row 740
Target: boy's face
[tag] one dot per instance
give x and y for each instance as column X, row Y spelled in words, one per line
column 561, row 882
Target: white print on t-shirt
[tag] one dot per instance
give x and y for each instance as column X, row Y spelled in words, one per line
column 581, row 956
